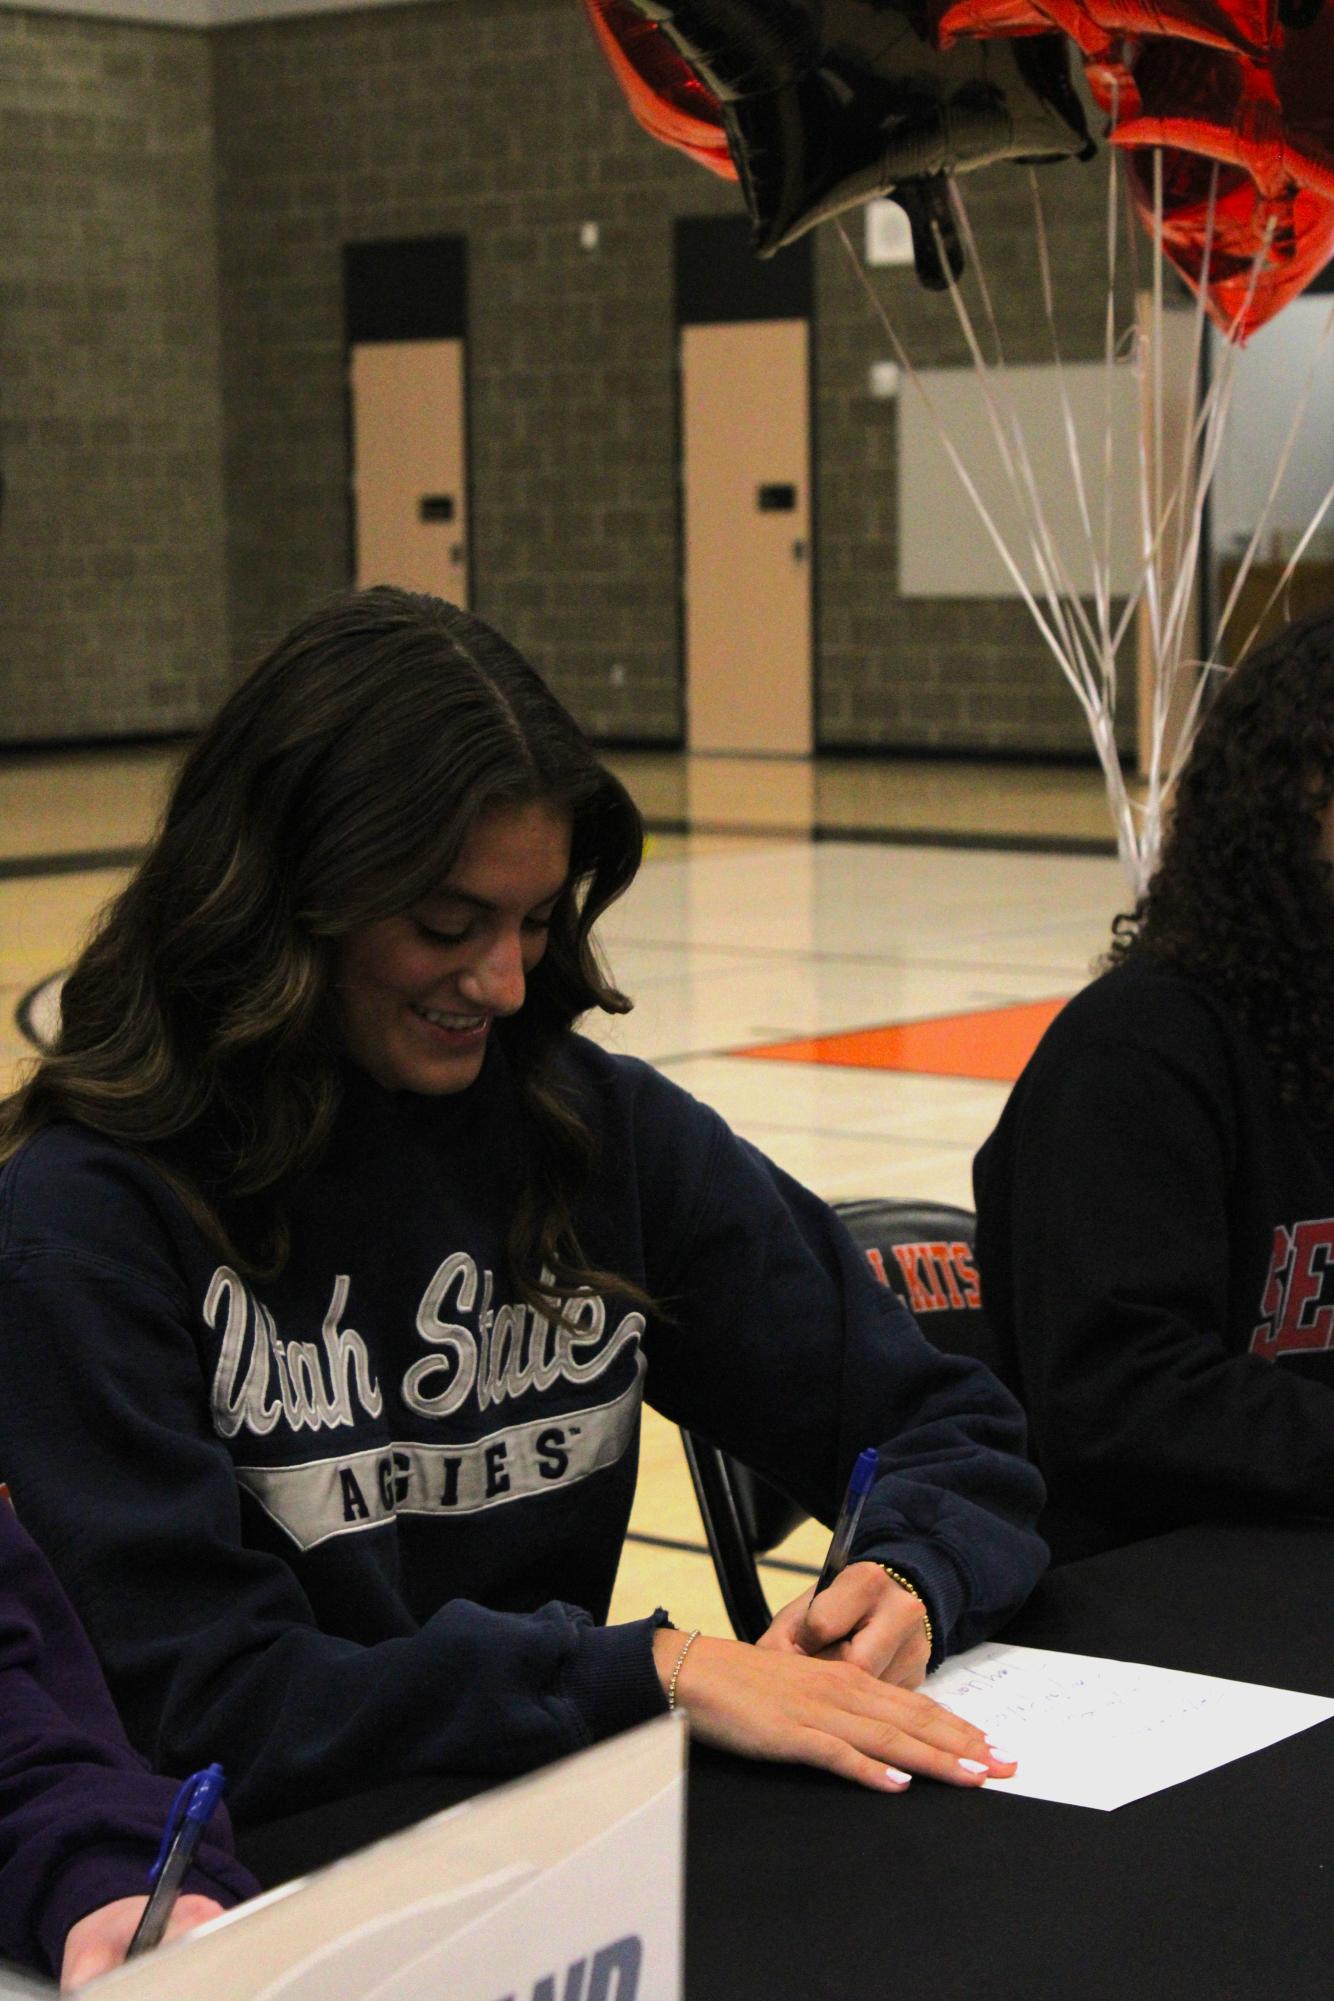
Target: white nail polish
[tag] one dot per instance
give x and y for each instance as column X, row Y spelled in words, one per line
column 1001, row 1757
column 971, row 1765
column 900, row 1778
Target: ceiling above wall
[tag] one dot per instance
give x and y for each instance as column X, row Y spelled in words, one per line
column 192, row 13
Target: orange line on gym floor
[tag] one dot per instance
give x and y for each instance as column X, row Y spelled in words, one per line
column 992, row 1043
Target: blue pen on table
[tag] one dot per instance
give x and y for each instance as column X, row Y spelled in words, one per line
column 191, row 1811
column 845, row 1528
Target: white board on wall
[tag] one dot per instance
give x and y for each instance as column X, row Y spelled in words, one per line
column 1273, row 372
column 944, row 550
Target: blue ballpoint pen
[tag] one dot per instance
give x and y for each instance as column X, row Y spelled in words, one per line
column 859, row 1486
column 191, row 1811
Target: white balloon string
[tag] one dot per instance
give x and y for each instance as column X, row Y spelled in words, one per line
column 1100, row 561
column 1084, row 688
column 984, row 513
column 1228, row 367
column 1192, row 487
column 1170, row 522
column 1155, row 511
column 1207, row 433
column 1109, row 363
column 1145, row 593
column 1064, row 603
column 1187, row 503
column 1205, row 436
column 1189, row 453
column 993, row 382
column 1097, row 574
column 1159, row 259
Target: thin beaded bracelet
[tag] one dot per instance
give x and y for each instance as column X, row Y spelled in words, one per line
column 680, row 1663
column 906, row 1584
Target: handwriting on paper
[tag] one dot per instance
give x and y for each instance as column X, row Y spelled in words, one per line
column 1100, row 1733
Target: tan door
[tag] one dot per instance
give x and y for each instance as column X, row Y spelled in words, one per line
column 409, row 461
column 746, row 474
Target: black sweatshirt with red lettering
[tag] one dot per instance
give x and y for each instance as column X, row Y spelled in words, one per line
column 362, row 1521
column 1155, row 1236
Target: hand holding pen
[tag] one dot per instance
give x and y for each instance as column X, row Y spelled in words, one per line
column 845, row 1528
column 833, row 1680
column 860, row 1612
column 191, row 1811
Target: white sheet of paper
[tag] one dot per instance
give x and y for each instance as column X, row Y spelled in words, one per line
column 1099, row 1733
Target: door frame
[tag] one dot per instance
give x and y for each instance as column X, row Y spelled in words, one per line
column 407, row 288
column 717, row 277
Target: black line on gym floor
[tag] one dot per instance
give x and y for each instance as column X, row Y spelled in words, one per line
column 81, row 862
column 899, row 837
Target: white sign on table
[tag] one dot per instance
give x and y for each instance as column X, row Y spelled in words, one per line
column 1100, row 1733
column 568, row 1882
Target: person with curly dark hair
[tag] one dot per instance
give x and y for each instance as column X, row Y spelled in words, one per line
column 335, row 1268
column 1155, row 1209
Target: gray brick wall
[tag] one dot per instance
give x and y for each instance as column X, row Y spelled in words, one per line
column 497, row 119
column 112, row 609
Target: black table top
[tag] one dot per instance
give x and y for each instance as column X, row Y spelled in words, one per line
column 801, row 1887
column 1221, row 1889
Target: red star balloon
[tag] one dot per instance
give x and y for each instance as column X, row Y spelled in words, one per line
column 815, row 109
column 660, row 87
column 814, row 118
column 1239, row 97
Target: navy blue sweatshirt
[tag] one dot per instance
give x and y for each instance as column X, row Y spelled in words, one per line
column 362, row 1521
column 80, row 1815
column 1155, row 1236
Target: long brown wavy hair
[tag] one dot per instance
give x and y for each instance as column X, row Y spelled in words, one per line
column 335, row 786
column 1242, row 899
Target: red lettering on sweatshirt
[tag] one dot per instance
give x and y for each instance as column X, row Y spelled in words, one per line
column 1295, row 1321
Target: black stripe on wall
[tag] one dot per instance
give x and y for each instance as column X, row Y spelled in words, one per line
column 719, row 278
column 413, row 288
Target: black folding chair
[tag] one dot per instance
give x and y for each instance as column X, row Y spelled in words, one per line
column 924, row 1250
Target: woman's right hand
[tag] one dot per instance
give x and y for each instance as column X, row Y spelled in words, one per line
column 101, row 1940
column 809, row 1711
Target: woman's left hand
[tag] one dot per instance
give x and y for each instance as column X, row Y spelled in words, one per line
column 863, row 1617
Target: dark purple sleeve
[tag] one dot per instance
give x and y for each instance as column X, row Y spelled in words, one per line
column 80, row 1815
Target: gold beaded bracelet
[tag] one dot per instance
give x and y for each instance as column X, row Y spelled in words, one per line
column 906, row 1584
column 680, row 1663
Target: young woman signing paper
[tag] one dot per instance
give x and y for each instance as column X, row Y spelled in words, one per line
column 334, row 1267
